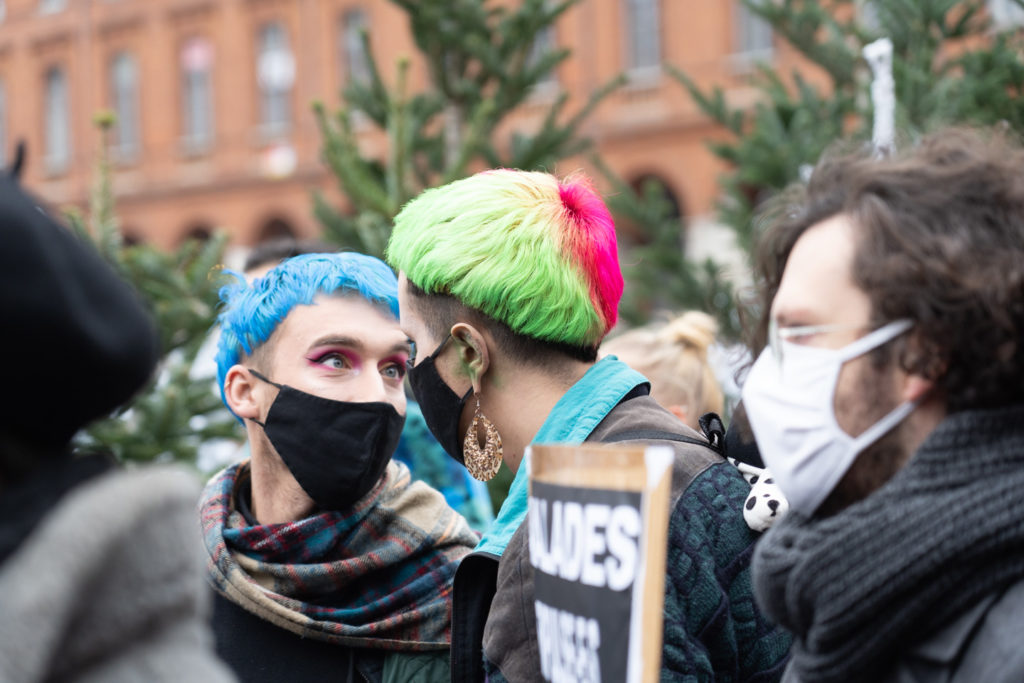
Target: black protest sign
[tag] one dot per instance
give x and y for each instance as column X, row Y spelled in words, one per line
column 597, row 521
column 585, row 549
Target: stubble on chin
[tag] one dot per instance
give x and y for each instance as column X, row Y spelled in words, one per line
column 874, row 466
column 871, row 399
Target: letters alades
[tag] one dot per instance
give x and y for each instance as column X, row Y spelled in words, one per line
column 598, row 522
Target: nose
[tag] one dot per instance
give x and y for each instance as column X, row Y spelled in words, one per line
column 372, row 387
column 375, row 388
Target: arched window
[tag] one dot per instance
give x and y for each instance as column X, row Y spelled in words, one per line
column 275, row 228
column 57, row 143
column 653, row 192
column 276, row 74
column 196, row 60
column 643, row 42
column 654, row 187
column 200, row 232
column 355, row 66
column 131, row 237
column 124, row 99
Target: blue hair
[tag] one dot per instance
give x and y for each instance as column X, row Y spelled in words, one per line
column 251, row 313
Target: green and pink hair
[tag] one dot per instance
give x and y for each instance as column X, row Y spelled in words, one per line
column 534, row 253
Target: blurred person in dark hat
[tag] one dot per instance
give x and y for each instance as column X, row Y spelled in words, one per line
column 97, row 572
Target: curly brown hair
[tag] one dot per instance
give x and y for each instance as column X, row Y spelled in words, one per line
column 941, row 243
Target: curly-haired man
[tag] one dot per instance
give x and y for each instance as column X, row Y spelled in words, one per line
column 889, row 404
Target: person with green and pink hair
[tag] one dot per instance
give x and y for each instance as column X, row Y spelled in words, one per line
column 508, row 282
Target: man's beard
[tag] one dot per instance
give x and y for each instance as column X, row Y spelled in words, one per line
column 880, row 461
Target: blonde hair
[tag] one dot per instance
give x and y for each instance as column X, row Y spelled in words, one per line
column 674, row 356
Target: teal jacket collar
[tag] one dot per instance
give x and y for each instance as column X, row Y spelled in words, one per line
column 573, row 418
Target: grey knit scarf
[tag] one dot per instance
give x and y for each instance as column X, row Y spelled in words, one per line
column 859, row 588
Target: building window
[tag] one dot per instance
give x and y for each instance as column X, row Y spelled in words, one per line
column 276, row 74
column 753, row 32
column 199, row 233
column 355, row 65
column 276, row 227
column 643, row 42
column 197, row 95
column 544, row 43
column 52, row 6
column 1006, row 14
column 124, row 98
column 58, row 131
column 867, row 16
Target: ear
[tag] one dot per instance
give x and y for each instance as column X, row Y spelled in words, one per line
column 919, row 384
column 471, row 346
column 240, row 392
column 916, row 388
column 679, row 411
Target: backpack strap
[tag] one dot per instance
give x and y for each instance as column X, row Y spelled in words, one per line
column 710, row 424
column 714, row 430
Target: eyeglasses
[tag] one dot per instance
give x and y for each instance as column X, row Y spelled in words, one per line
column 776, row 334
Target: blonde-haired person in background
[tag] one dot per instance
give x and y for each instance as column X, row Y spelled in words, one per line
column 674, row 356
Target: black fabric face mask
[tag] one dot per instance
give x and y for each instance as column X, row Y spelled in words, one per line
column 336, row 450
column 441, row 407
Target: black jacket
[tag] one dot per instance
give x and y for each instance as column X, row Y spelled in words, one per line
column 476, row 579
column 259, row 651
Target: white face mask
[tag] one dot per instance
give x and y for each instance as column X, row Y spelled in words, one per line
column 789, row 401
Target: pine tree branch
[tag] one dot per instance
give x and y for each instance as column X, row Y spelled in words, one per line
column 712, row 105
column 400, row 141
column 356, row 176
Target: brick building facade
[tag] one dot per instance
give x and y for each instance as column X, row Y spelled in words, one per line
column 213, row 99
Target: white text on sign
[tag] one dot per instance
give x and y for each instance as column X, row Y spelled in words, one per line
column 592, row 543
column 568, row 646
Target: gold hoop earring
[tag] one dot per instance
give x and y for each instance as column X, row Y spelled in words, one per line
column 482, row 463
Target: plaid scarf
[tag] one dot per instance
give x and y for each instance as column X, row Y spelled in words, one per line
column 376, row 576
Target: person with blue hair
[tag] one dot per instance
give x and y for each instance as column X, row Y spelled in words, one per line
column 328, row 561
column 417, row 448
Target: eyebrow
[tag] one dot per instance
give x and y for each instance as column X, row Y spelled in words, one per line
column 401, row 347
column 786, row 317
column 358, row 345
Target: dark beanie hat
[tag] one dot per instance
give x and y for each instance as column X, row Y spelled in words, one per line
column 75, row 339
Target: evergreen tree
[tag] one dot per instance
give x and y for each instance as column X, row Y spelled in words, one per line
column 177, row 411
column 658, row 274
column 484, row 58
column 950, row 66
